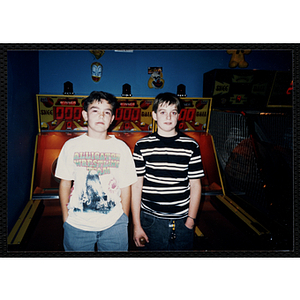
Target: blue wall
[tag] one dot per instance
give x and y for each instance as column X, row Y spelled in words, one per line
column 23, row 84
column 179, row 66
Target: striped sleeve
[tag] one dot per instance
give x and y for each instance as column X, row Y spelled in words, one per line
column 139, row 161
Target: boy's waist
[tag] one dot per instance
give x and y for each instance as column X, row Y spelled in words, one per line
column 163, row 215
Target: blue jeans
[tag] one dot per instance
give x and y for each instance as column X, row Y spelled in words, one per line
column 162, row 235
column 114, row 238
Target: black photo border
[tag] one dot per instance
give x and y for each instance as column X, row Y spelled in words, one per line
column 4, row 48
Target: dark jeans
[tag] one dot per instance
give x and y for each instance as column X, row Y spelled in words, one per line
column 161, row 234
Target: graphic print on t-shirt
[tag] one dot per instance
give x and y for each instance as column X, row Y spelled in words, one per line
column 93, row 197
column 100, row 189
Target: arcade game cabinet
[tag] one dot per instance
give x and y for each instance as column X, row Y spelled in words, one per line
column 60, row 118
column 251, row 122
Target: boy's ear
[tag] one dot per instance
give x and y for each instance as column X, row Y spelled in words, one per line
column 154, row 116
column 84, row 114
column 112, row 119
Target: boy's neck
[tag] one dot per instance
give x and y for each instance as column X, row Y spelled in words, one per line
column 98, row 136
column 167, row 134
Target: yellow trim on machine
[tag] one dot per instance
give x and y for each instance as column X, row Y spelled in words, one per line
column 33, row 166
column 198, row 232
column 243, row 215
column 18, row 232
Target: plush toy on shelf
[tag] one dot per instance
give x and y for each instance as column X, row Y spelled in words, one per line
column 237, row 58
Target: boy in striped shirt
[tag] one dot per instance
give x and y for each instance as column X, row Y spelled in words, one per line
column 166, row 197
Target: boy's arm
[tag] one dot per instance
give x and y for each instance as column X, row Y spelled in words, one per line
column 195, row 196
column 136, row 199
column 64, row 196
column 125, row 199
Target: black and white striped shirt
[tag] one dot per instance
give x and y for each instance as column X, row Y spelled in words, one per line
column 167, row 164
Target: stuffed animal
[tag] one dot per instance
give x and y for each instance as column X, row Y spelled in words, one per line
column 237, row 58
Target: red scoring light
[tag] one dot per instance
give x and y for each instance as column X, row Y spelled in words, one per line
column 77, row 113
column 182, row 115
column 59, row 113
column 239, row 98
column 69, row 113
column 127, row 114
column 135, row 115
column 187, row 114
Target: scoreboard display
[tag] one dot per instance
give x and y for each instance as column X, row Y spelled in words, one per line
column 64, row 113
column 133, row 114
column 238, row 89
column 60, row 113
column 195, row 115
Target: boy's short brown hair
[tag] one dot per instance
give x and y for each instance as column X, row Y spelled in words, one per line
column 111, row 99
column 167, row 98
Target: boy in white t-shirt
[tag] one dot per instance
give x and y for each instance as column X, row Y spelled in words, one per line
column 96, row 172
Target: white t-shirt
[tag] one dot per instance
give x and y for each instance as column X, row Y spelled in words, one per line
column 99, row 169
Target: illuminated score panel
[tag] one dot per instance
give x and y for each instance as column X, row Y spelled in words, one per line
column 61, row 113
column 195, row 115
column 134, row 114
column 64, row 113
